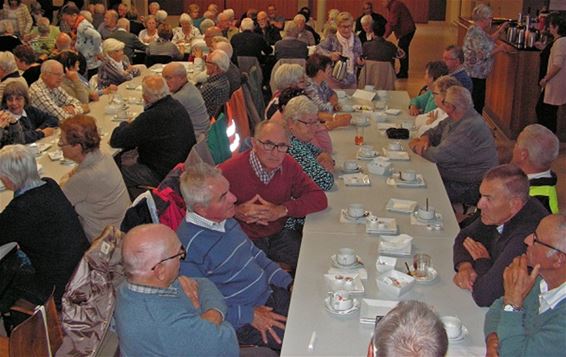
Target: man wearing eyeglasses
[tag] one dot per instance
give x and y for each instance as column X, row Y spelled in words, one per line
column 271, row 186
column 483, row 249
column 453, row 56
column 160, row 313
column 530, row 318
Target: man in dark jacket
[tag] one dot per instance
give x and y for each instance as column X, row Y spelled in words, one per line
column 269, row 32
column 131, row 41
column 248, row 43
column 163, row 136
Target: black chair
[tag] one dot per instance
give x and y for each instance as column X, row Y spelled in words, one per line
column 136, row 27
column 150, row 60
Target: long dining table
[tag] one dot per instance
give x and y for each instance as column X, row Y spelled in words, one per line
column 309, row 323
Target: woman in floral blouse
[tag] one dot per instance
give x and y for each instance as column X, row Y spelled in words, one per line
column 479, row 49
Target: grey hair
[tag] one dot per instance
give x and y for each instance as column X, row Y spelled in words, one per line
column 8, row 62
column 410, row 329
column 217, row 39
column 114, row 14
column 87, row 15
column 291, row 29
column 460, row 98
column 287, row 75
column 194, row 186
column 154, row 3
column 99, row 8
column 298, row 107
column 513, row 179
column 224, row 46
column 152, row 95
column 111, row 44
column 185, row 18
column 262, row 124
column 481, row 12
column 205, row 24
column 457, row 52
column 247, row 24
column 161, row 16
column 442, row 83
column 17, row 164
column 221, row 59
column 230, row 13
column 49, row 65
column 366, row 19
column 299, row 17
column 541, row 143
column 178, row 69
column 123, row 23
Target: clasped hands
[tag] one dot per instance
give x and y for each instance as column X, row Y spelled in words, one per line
column 258, row 210
column 419, row 145
column 466, row 275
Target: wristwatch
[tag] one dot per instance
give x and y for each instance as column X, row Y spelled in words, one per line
column 511, row 308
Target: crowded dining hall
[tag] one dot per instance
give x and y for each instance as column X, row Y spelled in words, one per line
column 283, row 177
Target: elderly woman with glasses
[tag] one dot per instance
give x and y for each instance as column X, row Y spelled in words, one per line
column 344, row 44
column 42, row 222
column 186, row 32
column 20, row 122
column 115, row 68
column 98, row 202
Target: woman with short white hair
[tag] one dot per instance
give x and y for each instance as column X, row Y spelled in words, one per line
column 115, row 68
column 43, row 223
column 185, row 33
column 288, row 75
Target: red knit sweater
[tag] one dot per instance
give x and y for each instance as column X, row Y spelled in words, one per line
column 290, row 187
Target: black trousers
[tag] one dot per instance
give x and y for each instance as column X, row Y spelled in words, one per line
column 282, row 247
column 546, row 113
column 478, row 94
column 404, row 43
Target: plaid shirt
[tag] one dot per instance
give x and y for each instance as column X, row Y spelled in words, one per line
column 52, row 101
column 215, row 92
column 152, row 290
column 263, row 175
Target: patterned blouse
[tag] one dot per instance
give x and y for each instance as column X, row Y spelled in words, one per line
column 305, row 154
column 320, row 94
column 331, row 44
column 478, row 46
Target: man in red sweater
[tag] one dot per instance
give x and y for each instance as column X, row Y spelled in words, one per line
column 400, row 21
column 270, row 187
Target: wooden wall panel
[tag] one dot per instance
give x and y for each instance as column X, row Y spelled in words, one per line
column 287, row 8
column 418, row 8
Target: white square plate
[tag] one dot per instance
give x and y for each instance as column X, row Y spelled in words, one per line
column 356, row 180
column 334, row 284
column 396, row 155
column 371, row 308
column 401, row 206
column 390, row 226
column 399, row 245
column 419, row 182
column 393, row 111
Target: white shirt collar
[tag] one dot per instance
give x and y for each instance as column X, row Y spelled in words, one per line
column 500, row 228
column 548, row 299
column 539, row 175
column 200, row 221
column 19, row 116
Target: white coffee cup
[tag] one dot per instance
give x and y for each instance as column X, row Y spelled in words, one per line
column 350, row 165
column 356, row 210
column 424, row 214
column 369, row 88
column 367, row 150
column 346, row 256
column 408, row 175
column 452, row 325
column 394, row 146
column 341, row 300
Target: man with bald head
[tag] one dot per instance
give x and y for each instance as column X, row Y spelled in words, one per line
column 269, row 32
column 530, row 318
column 188, row 95
column 63, row 42
column 160, row 313
column 224, row 22
column 47, row 95
column 535, row 150
column 162, row 134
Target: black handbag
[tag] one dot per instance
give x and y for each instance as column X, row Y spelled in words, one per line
column 397, row 133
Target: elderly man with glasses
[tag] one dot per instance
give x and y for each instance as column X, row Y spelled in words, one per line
column 270, row 186
column 453, row 57
column 530, row 318
column 160, row 313
column 483, row 249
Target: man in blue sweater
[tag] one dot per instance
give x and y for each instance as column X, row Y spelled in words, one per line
column 530, row 318
column 158, row 312
column 256, row 289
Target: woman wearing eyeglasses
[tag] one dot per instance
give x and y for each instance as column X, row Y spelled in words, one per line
column 95, row 187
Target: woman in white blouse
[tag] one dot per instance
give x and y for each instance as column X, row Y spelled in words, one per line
column 149, row 34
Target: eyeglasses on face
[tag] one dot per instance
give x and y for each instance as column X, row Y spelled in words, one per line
column 181, row 255
column 536, row 240
column 307, row 123
column 270, row 146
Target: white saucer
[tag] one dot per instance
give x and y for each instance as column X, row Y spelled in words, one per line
column 461, row 337
column 429, row 278
column 354, row 171
column 351, row 218
column 367, row 157
column 356, row 306
column 357, row 265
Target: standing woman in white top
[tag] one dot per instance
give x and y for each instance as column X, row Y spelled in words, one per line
column 554, row 82
column 149, row 34
column 18, row 13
